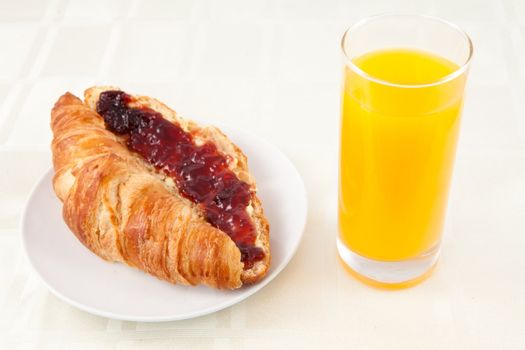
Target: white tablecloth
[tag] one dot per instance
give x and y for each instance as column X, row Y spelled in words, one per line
column 273, row 68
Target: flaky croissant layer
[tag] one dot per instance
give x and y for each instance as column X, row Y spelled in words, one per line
column 124, row 211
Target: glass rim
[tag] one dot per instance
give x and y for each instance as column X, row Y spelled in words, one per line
column 456, row 73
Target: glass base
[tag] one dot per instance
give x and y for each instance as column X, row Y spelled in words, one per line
column 389, row 274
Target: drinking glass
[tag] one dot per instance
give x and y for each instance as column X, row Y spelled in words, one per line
column 402, row 95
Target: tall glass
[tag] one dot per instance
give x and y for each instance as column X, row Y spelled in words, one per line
column 404, row 77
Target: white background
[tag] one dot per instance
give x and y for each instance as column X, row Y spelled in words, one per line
column 273, row 68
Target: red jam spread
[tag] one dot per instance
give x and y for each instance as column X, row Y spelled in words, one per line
column 200, row 172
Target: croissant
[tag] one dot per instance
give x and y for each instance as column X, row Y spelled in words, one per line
column 142, row 186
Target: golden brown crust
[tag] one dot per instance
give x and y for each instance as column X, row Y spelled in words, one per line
column 123, row 210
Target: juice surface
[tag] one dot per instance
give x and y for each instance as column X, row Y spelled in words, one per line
column 397, row 152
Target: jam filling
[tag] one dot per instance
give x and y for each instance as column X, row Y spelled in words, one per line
column 200, row 172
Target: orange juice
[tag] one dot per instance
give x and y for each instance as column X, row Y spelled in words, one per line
column 399, row 128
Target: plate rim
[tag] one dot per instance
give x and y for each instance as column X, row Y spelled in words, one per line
column 184, row 316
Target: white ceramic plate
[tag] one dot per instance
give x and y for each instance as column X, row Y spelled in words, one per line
column 114, row 290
